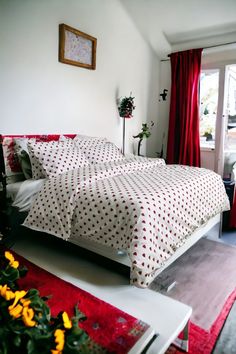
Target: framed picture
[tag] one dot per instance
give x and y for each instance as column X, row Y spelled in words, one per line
column 76, row 48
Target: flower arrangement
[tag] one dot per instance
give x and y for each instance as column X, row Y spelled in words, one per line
column 26, row 325
column 145, row 133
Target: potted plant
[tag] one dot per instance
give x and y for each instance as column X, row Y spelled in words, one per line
column 145, row 133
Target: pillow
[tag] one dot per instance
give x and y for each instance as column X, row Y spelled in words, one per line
column 21, row 144
column 25, row 163
column 105, row 152
column 90, row 143
column 12, row 166
column 22, row 152
column 86, row 137
column 57, row 161
column 65, row 138
column 36, row 149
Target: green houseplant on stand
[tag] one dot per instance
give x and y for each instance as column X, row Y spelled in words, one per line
column 145, row 133
column 125, row 108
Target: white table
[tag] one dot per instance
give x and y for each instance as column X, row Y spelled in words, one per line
column 167, row 316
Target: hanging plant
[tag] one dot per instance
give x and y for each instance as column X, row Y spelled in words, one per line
column 126, row 107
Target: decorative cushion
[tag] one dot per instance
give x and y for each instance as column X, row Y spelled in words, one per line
column 25, row 163
column 12, row 166
column 21, row 149
column 36, row 149
column 57, row 161
column 17, row 166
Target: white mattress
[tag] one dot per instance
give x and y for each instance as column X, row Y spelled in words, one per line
column 23, row 193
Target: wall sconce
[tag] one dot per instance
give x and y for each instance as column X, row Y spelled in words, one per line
column 163, row 95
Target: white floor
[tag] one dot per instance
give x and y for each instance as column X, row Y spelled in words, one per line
column 109, row 282
column 227, row 236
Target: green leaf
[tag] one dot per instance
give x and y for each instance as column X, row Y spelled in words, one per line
column 30, row 346
column 17, row 341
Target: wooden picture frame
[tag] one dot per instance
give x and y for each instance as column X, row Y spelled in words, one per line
column 76, row 47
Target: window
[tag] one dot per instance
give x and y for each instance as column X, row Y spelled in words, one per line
column 209, row 88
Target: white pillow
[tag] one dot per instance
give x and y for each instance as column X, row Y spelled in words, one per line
column 57, row 161
column 98, row 153
column 36, row 149
column 86, row 137
column 89, row 143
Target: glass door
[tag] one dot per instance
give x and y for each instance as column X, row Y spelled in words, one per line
column 209, row 92
column 230, row 123
column 230, row 108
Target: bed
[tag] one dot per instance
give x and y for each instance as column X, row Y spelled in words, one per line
column 137, row 211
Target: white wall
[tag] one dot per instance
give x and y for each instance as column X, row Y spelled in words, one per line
column 164, row 106
column 40, row 95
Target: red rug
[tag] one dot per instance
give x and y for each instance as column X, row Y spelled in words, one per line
column 107, row 326
column 202, row 341
column 115, row 338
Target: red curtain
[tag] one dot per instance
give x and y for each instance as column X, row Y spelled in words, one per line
column 232, row 220
column 183, row 136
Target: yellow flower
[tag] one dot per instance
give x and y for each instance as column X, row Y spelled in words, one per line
column 59, row 340
column 67, row 322
column 3, row 289
column 15, row 264
column 6, row 292
column 25, row 302
column 18, row 295
column 16, row 311
column 27, row 316
column 10, row 257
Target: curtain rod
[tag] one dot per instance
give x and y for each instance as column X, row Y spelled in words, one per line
column 211, row 46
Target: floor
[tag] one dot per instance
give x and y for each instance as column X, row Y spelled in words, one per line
column 226, row 343
column 228, row 236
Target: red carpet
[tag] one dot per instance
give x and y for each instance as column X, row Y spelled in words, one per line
column 115, row 338
column 202, row 341
column 106, row 325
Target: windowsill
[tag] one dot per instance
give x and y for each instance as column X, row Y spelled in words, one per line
column 207, row 147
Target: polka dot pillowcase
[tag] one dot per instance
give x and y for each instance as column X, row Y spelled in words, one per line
column 52, row 158
column 100, row 151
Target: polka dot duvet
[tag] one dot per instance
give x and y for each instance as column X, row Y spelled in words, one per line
column 138, row 204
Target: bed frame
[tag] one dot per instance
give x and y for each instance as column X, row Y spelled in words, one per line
column 121, row 256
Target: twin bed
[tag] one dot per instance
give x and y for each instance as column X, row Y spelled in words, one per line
column 137, row 211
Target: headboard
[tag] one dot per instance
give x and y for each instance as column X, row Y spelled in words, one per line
column 11, row 154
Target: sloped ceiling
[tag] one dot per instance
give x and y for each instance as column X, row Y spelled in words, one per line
column 173, row 25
